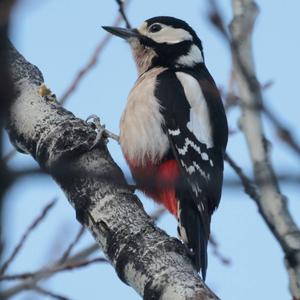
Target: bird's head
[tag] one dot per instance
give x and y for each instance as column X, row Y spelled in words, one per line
column 162, row 41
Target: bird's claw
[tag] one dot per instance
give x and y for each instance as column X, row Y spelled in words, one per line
column 100, row 129
column 102, row 132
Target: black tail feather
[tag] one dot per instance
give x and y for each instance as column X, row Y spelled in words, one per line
column 195, row 234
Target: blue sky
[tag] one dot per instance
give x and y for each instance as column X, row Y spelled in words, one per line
column 59, row 37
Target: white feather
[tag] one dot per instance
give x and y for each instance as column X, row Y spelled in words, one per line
column 193, row 57
column 141, row 134
column 199, row 123
column 167, row 34
column 182, row 232
column 174, row 132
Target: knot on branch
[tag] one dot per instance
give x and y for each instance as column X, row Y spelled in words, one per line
column 65, row 139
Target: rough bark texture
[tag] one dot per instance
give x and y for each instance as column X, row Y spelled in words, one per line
column 144, row 257
column 272, row 204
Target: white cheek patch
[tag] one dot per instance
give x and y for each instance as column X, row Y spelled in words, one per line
column 193, row 57
column 199, row 123
column 170, row 35
column 167, row 34
column 143, row 28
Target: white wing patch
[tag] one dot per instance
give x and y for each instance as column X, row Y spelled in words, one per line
column 199, row 123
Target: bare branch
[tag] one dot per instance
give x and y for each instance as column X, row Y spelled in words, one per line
column 29, row 230
column 72, row 245
column 53, row 270
column 50, row 294
column 121, row 4
column 272, row 204
column 41, row 274
column 248, row 185
column 216, row 251
column 282, row 131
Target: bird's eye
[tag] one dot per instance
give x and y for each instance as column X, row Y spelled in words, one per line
column 155, row 28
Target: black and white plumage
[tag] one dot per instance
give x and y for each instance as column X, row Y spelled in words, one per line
column 173, row 131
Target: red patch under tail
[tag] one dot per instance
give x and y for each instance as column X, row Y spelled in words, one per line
column 158, row 182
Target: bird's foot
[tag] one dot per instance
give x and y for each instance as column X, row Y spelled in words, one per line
column 102, row 132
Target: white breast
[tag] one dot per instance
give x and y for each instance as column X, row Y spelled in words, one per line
column 199, row 123
column 141, row 134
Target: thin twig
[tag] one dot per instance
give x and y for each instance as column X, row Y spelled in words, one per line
column 53, row 270
column 48, row 293
column 41, row 274
column 248, row 185
column 121, row 4
column 216, row 251
column 30, row 229
column 282, row 131
column 91, row 62
column 66, row 254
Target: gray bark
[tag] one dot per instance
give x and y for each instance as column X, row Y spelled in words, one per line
column 271, row 202
column 144, row 256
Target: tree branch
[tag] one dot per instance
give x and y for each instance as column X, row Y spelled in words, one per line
column 53, row 270
column 29, row 230
column 121, row 4
column 47, row 293
column 272, row 204
column 146, row 258
column 42, row 274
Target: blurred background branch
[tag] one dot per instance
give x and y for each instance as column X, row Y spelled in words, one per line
column 271, row 202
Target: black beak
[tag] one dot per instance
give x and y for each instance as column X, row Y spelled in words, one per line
column 122, row 32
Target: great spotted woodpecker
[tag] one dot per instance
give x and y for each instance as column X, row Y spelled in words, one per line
column 173, row 132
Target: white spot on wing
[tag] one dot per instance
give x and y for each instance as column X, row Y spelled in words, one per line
column 199, row 123
column 188, row 143
column 204, row 156
column 174, row 132
column 191, row 169
column 193, row 57
column 196, row 189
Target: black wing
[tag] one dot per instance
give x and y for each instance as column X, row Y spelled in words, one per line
column 199, row 189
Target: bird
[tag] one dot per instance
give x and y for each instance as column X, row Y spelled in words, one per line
column 173, row 131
